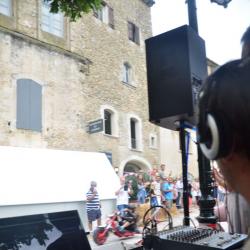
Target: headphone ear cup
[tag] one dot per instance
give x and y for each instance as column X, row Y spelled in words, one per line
column 211, row 151
column 221, row 141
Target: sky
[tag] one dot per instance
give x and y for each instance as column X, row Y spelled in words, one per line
column 220, row 27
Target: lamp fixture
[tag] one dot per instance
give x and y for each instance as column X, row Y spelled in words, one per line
column 221, row 2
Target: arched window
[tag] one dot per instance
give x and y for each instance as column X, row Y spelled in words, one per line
column 133, row 137
column 127, row 73
column 108, row 122
column 29, row 105
column 135, row 132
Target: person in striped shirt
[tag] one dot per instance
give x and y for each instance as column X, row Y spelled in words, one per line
column 93, row 205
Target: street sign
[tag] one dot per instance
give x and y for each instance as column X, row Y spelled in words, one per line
column 95, row 126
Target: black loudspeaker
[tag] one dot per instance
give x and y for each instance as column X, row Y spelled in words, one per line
column 176, row 67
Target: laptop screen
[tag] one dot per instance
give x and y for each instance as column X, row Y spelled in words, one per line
column 51, row 231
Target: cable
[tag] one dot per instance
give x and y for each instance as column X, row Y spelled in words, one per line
column 152, row 220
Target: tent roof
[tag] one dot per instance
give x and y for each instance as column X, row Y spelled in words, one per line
column 31, row 176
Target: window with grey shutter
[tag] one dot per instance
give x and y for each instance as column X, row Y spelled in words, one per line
column 136, row 35
column 130, row 31
column 133, row 133
column 29, row 105
column 108, row 122
column 6, row 7
column 111, row 18
column 133, row 33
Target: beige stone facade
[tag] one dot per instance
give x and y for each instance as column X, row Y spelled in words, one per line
column 81, row 76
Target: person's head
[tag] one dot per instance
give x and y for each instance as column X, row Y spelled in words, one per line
column 122, row 180
column 162, row 167
column 245, row 40
column 157, row 177
column 93, row 185
column 224, row 116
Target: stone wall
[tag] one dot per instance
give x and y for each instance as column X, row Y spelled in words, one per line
column 79, row 74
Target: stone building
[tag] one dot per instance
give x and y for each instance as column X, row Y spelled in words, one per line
column 58, row 76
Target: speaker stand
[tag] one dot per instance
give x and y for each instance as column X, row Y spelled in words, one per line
column 182, row 135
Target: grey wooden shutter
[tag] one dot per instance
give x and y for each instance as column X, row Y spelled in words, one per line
column 130, row 31
column 35, row 106
column 111, row 18
column 22, row 109
column 29, row 105
column 137, row 34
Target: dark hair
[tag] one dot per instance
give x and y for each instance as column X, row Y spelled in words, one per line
column 226, row 93
column 246, row 36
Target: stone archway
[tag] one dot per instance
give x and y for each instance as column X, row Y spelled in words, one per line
column 131, row 168
column 134, row 164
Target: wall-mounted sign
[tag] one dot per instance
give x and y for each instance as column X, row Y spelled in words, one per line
column 95, row 126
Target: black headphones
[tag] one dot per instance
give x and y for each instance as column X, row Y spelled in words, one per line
column 215, row 136
column 214, row 128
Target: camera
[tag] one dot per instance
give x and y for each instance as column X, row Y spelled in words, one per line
column 126, row 187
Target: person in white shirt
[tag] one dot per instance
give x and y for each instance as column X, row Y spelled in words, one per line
column 123, row 193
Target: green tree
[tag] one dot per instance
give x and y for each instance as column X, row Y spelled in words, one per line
column 73, row 9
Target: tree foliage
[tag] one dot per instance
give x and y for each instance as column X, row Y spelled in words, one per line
column 73, row 9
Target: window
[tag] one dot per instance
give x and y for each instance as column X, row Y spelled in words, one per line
column 52, row 23
column 105, row 14
column 152, row 141
column 6, row 7
column 126, row 75
column 29, row 105
column 107, row 122
column 110, row 118
column 133, row 33
column 133, row 133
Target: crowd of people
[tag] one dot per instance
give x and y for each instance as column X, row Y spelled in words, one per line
column 154, row 187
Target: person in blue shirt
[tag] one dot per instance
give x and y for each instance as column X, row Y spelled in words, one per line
column 167, row 190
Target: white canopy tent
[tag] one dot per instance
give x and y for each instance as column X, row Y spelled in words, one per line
column 31, row 177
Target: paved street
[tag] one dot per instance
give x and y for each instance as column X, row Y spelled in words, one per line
column 116, row 243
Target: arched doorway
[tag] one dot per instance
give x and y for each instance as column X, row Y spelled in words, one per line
column 131, row 168
column 134, row 164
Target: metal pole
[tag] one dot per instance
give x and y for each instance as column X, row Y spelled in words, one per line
column 192, row 17
column 207, row 201
column 184, row 174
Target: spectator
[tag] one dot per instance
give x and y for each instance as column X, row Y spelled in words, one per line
column 152, row 196
column 93, row 205
column 196, row 191
column 141, row 193
column 179, row 187
column 167, row 188
column 162, row 172
column 123, row 193
column 157, row 188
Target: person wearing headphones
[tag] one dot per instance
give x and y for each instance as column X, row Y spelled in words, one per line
column 237, row 207
column 224, row 117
